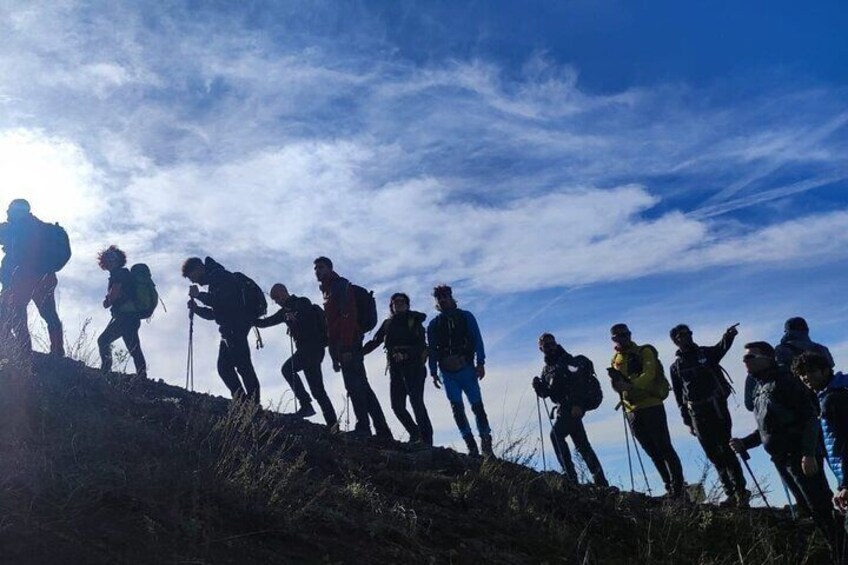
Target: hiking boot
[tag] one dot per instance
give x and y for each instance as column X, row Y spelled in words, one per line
column 486, row 445
column 743, row 498
column 385, row 435
column 600, row 481
column 471, row 445
column 359, row 432
column 305, row 411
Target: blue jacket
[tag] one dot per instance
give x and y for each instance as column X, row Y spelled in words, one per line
column 834, row 422
column 435, row 349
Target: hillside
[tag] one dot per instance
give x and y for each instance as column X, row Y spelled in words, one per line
column 104, row 469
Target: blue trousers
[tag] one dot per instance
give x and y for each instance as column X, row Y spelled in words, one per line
column 465, row 381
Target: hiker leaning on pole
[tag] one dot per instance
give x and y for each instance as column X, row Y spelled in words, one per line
column 568, row 381
column 637, row 375
column 455, row 344
column 126, row 318
column 34, row 251
column 831, row 389
column 307, row 327
column 788, row 430
column 701, row 390
column 225, row 301
column 403, row 336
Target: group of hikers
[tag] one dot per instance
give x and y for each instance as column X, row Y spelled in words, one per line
column 800, row 404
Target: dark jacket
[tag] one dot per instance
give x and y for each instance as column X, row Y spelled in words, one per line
column 697, row 378
column 443, row 339
column 564, row 379
column 402, row 331
column 794, row 343
column 342, row 316
column 122, row 303
column 223, row 299
column 24, row 242
column 302, row 323
column 786, row 419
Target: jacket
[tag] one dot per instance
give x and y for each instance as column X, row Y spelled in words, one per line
column 438, row 339
column 697, row 378
column 343, row 328
column 641, row 366
column 24, row 249
column 401, row 331
column 564, row 379
column 299, row 315
column 223, row 299
column 834, row 422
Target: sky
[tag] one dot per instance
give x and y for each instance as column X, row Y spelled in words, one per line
column 563, row 165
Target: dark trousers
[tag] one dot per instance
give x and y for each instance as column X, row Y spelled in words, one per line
column 234, row 361
column 564, row 426
column 650, row 428
column 712, row 425
column 310, row 363
column 362, row 397
column 407, row 381
column 814, row 495
column 122, row 326
column 14, row 299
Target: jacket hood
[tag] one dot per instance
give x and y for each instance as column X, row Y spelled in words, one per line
column 796, row 337
column 554, row 357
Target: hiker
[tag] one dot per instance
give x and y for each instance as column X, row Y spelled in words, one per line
column 34, row 252
column 403, row 336
column 126, row 318
column 815, row 370
column 637, row 375
column 307, row 327
column 795, row 340
column 226, row 303
column 788, row 430
column 454, row 343
column 345, row 308
column 570, row 382
column 701, row 390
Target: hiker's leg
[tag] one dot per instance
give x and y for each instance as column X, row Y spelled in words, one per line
column 240, row 354
column 290, row 370
column 44, row 296
column 454, row 393
column 584, row 448
column 130, row 327
column 353, row 380
column 111, row 333
column 398, row 394
column 667, row 451
column 227, row 370
column 643, row 425
column 17, row 296
column 315, row 379
column 471, row 387
column 415, row 377
column 559, row 431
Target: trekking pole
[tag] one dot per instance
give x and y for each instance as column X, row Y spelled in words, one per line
column 347, row 412
column 789, row 500
column 190, row 358
column 745, row 457
column 541, row 436
column 642, row 465
column 629, row 457
column 291, row 369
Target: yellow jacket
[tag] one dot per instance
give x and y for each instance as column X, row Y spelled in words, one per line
column 641, row 366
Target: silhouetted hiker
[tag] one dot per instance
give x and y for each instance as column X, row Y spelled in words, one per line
column 570, row 382
column 406, row 350
column 701, row 390
column 795, row 340
column 34, row 252
column 307, row 327
column 454, row 342
column 127, row 312
column 638, row 377
column 788, row 430
column 232, row 302
column 814, row 370
column 346, row 307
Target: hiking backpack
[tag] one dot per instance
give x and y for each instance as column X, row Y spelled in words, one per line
column 145, row 296
column 366, row 308
column 661, row 386
column 57, row 247
column 252, row 298
column 321, row 325
column 594, row 394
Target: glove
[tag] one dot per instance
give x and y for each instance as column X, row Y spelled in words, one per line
column 538, row 385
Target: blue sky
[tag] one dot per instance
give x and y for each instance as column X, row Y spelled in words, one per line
column 565, row 165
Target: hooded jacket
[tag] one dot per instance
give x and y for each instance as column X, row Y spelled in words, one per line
column 223, row 299
column 697, row 378
column 439, row 334
column 304, row 327
column 795, row 342
column 640, row 365
column 402, row 330
column 343, row 328
column 24, row 249
column 564, row 379
column 786, row 419
column 834, row 422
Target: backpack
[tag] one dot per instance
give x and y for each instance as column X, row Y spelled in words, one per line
column 253, row 299
column 321, row 325
column 451, row 335
column 145, row 296
column 57, row 248
column 366, row 308
column 661, row 385
column 594, row 394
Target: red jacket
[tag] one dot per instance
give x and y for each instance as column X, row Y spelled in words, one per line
column 342, row 317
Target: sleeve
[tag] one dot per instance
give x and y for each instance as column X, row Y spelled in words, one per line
column 798, row 398
column 274, row 320
column 432, row 361
column 750, row 387
column 476, row 338
column 835, row 411
column 677, row 386
column 752, row 440
column 205, row 313
column 375, row 341
column 719, row 350
column 645, row 379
